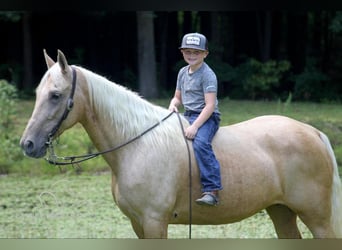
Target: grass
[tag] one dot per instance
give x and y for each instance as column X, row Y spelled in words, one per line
column 70, row 206
column 38, row 201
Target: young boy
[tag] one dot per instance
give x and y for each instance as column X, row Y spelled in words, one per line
column 196, row 90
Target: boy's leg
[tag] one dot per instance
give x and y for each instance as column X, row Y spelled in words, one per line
column 206, row 160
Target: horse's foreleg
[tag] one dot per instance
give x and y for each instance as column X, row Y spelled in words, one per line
column 284, row 221
column 155, row 228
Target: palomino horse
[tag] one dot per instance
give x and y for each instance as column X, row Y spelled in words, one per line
column 270, row 162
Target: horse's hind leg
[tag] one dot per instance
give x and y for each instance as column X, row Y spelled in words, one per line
column 137, row 229
column 318, row 223
column 284, row 221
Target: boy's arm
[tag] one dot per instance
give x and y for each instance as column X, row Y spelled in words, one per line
column 175, row 101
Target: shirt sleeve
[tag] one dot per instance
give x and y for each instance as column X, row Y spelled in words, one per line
column 210, row 83
column 179, row 78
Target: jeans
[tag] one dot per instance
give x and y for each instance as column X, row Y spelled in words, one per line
column 208, row 164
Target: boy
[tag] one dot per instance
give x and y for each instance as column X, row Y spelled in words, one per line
column 196, row 90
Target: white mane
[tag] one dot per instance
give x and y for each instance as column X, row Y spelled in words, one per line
column 124, row 109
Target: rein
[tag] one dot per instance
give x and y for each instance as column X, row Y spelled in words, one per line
column 52, row 159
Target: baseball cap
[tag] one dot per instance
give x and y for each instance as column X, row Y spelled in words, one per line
column 194, row 41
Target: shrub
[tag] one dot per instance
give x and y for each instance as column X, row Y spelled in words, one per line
column 10, row 151
column 309, row 85
column 257, row 80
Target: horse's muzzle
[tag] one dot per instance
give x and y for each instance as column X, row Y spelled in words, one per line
column 32, row 150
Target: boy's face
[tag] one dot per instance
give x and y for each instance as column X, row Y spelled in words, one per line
column 193, row 56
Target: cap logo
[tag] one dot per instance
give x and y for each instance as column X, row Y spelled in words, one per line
column 193, row 40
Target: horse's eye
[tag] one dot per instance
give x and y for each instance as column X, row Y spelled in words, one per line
column 55, row 96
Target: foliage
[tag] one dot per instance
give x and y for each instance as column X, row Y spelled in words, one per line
column 8, row 93
column 309, row 85
column 223, row 70
column 9, row 152
column 336, row 23
column 11, row 72
column 254, row 79
column 12, row 16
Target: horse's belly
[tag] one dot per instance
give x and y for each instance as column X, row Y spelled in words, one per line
column 248, row 187
column 239, row 199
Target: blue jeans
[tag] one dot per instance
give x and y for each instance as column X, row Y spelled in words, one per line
column 208, row 164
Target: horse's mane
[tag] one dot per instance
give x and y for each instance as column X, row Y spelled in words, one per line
column 123, row 108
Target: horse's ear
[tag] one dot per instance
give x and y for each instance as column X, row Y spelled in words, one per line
column 62, row 62
column 48, row 60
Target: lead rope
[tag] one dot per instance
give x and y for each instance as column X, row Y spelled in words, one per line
column 190, row 174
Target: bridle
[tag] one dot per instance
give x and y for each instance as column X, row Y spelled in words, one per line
column 69, row 106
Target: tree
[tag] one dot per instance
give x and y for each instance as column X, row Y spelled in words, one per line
column 25, row 19
column 264, row 28
column 147, row 78
column 27, row 52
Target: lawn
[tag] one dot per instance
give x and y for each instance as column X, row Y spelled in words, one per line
column 81, row 206
column 38, row 200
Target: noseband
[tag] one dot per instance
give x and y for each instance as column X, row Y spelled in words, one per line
column 70, row 104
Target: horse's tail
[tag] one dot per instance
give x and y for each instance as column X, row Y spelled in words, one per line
column 336, row 197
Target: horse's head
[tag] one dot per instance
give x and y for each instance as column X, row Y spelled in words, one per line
column 52, row 113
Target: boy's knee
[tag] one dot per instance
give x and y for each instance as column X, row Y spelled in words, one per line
column 199, row 144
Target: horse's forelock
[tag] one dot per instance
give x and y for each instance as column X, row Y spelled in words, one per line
column 53, row 77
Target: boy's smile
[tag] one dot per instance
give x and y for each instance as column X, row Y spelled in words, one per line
column 194, row 57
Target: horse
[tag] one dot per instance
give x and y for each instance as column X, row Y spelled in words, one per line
column 269, row 162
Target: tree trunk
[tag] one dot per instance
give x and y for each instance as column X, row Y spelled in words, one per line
column 187, row 23
column 146, row 55
column 27, row 53
column 215, row 39
column 264, row 28
column 297, row 40
column 164, row 29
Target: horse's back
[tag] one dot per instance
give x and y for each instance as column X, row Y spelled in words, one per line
column 267, row 132
column 284, row 144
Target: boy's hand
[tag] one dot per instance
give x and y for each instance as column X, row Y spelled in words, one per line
column 173, row 108
column 190, row 132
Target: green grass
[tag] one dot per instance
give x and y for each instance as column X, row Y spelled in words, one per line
column 71, row 206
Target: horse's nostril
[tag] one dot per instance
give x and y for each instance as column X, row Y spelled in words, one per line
column 32, row 148
column 28, row 146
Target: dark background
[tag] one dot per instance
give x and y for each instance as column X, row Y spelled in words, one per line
column 107, row 42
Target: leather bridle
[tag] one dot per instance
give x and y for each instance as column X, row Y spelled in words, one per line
column 69, row 106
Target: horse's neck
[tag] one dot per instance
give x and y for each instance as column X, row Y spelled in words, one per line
column 116, row 115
